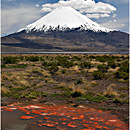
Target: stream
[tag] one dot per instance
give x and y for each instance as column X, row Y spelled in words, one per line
column 45, row 117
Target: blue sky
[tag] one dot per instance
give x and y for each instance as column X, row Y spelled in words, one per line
column 17, row 14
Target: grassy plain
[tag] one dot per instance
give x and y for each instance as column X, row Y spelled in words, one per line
column 94, row 80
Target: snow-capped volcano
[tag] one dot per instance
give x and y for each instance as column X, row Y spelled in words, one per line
column 66, row 30
column 64, row 18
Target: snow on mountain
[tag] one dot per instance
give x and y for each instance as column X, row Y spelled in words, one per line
column 64, row 18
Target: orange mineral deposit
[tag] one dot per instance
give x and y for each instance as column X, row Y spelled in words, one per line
column 63, row 119
column 46, row 118
column 81, row 116
column 26, row 117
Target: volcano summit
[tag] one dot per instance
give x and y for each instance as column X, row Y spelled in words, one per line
column 65, row 18
column 65, row 29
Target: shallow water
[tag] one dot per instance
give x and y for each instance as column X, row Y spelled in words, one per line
column 58, row 118
column 12, row 121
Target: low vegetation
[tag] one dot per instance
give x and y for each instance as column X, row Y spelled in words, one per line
column 92, row 78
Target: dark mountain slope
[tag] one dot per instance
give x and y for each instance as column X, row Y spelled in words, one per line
column 71, row 40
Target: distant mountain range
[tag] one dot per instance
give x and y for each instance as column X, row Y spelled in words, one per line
column 65, row 29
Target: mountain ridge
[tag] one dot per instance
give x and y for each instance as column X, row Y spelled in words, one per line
column 31, row 39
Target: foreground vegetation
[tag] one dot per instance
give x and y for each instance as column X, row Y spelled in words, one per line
column 68, row 78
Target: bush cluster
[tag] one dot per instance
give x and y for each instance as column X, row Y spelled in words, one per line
column 18, row 66
column 76, row 58
column 64, row 62
column 103, row 68
column 105, row 58
column 123, row 71
column 84, row 65
column 76, row 94
column 98, row 75
column 48, row 64
column 112, row 64
column 10, row 60
column 32, row 58
column 60, row 61
column 53, row 69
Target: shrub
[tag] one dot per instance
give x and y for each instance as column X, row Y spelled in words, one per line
column 17, row 95
column 113, row 85
column 76, row 58
column 67, row 94
column 64, row 62
column 32, row 58
column 98, row 75
column 33, row 94
column 124, row 67
column 93, row 83
column 18, row 88
column 124, row 88
column 118, row 59
column 97, row 98
column 79, row 81
column 101, row 108
column 110, row 93
column 62, row 99
column 63, row 71
column 47, row 64
column 18, row 66
column 105, row 58
column 21, row 58
column 22, row 65
column 5, row 92
column 92, row 97
column 117, row 101
column 92, row 57
column 76, row 94
column 123, row 71
column 120, row 74
column 3, row 66
column 9, row 60
column 53, row 69
column 123, row 95
column 112, row 64
column 101, row 58
column 84, row 65
column 42, row 59
column 54, row 95
column 103, row 68
column 63, row 86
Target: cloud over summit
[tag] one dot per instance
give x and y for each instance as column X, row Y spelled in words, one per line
column 97, row 10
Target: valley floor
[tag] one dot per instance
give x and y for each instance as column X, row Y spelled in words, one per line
column 99, row 81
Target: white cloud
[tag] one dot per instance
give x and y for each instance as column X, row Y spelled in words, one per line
column 116, row 24
column 110, row 21
column 17, row 17
column 37, row 5
column 114, row 20
column 99, row 9
column 97, row 16
column 114, row 15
